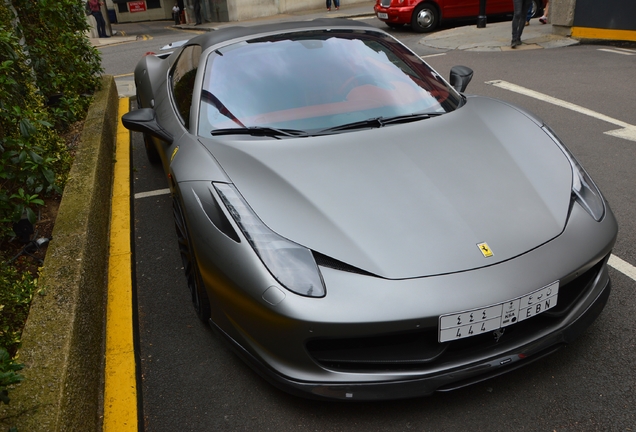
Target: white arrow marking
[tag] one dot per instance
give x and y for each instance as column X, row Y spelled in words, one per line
column 627, row 130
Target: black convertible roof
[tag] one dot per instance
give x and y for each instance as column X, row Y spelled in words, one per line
column 237, row 32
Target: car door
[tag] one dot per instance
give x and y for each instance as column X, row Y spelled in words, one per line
column 496, row 7
column 470, row 8
column 459, row 8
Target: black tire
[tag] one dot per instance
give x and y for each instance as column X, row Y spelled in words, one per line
column 425, row 18
column 536, row 8
column 151, row 151
column 200, row 299
column 395, row 26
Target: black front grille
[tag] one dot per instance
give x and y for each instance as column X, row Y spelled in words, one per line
column 416, row 350
column 570, row 292
column 387, row 352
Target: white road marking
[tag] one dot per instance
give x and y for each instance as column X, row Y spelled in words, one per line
column 623, row 51
column 627, row 132
column 152, row 193
column 125, row 87
column 361, row 18
column 433, row 55
column 623, row 266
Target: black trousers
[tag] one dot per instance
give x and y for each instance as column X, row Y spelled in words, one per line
column 521, row 8
column 101, row 24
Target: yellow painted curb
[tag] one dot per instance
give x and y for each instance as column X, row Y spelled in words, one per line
column 120, row 377
column 596, row 33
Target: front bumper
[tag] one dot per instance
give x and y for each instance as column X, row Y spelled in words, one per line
column 505, row 361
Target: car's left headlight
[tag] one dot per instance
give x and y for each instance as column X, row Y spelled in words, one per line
column 585, row 191
column 291, row 264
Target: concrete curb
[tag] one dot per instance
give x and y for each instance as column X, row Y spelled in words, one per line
column 496, row 37
column 63, row 340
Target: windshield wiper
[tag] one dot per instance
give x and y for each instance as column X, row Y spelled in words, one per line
column 260, row 131
column 378, row 122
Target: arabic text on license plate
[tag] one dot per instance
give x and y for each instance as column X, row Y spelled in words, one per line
column 477, row 321
column 383, row 15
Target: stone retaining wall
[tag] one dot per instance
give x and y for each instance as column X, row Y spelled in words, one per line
column 62, row 342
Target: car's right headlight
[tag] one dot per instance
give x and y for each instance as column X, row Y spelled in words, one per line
column 291, row 264
column 585, row 191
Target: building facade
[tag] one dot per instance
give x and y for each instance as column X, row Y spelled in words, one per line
column 210, row 10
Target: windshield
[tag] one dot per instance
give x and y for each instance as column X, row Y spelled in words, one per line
column 314, row 81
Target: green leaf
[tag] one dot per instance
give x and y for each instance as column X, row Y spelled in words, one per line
column 49, row 176
column 31, row 216
column 26, row 128
column 36, row 157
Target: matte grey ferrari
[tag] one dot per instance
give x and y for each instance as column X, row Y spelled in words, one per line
column 356, row 226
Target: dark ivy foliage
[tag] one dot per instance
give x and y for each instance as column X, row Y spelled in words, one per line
column 44, row 56
column 48, row 72
column 8, row 374
column 65, row 63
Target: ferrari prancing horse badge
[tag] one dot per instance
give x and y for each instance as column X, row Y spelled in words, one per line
column 485, row 249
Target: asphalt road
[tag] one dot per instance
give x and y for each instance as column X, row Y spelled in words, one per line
column 191, row 381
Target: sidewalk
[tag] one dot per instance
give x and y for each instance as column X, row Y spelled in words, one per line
column 112, row 40
column 494, row 37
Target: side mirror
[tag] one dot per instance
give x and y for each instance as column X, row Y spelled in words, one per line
column 145, row 120
column 460, row 76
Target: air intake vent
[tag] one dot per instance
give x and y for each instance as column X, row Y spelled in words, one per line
column 325, row 261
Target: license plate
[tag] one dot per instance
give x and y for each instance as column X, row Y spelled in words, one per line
column 383, row 15
column 477, row 321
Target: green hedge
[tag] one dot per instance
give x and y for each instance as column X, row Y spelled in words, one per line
column 48, row 72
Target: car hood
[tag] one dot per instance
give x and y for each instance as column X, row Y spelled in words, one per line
column 414, row 199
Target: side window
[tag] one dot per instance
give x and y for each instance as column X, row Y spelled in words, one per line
column 182, row 80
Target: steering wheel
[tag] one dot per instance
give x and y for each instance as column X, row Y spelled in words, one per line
column 360, row 79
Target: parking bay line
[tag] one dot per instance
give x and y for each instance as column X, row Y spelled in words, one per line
column 622, row 51
column 622, row 266
column 627, row 130
column 152, row 193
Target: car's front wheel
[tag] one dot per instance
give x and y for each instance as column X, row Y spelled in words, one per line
column 151, row 152
column 425, row 18
column 200, row 299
